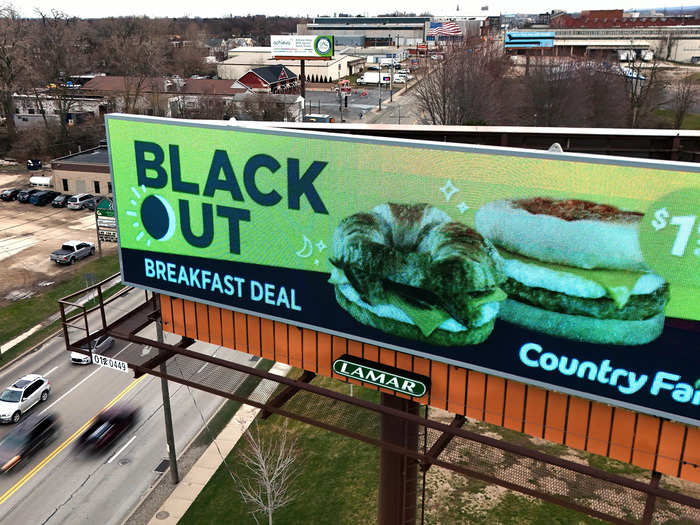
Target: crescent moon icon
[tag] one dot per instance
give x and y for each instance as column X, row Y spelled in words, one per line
column 171, row 218
column 307, row 249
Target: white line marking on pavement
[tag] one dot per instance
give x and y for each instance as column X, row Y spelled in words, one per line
column 121, row 450
column 47, row 373
column 82, row 381
column 69, row 391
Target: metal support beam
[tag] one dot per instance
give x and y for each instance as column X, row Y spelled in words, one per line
column 441, row 443
column 651, row 499
column 398, row 477
column 163, row 355
column 287, row 394
column 169, row 434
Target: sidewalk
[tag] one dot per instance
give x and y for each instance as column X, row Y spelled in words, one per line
column 201, row 472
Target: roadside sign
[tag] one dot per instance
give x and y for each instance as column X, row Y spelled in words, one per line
column 105, row 208
column 306, row 47
column 108, row 362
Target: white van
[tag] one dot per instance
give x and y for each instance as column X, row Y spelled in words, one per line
column 76, row 202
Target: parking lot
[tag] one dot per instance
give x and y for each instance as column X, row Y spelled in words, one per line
column 28, row 234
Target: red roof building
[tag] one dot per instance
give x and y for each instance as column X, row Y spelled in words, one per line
column 269, row 79
column 612, row 18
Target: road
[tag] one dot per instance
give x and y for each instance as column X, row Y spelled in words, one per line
column 60, row 485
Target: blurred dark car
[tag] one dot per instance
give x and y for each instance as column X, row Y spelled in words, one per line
column 25, row 195
column 60, row 201
column 42, row 198
column 28, row 437
column 92, row 204
column 107, row 427
column 33, row 164
column 9, row 195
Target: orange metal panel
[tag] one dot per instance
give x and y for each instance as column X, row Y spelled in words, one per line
column 476, row 394
column 622, row 435
column 577, row 422
column 190, row 319
column 670, row 448
column 457, row 390
column 308, row 349
column 215, row 326
column 555, row 418
column 178, row 315
column 339, row 346
column 495, row 399
column 370, row 352
column 421, row 366
column 240, row 331
column 281, row 353
column 253, row 323
column 599, row 429
column 388, row 357
column 227, row 329
column 438, row 397
column 690, row 468
column 325, row 359
column 267, row 338
column 202, row 322
column 295, row 350
column 646, row 440
column 357, row 349
column 166, row 312
column 515, row 406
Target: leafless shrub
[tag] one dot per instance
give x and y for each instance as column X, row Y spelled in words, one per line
column 269, row 463
column 683, row 93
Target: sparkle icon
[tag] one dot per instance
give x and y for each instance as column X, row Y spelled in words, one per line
column 316, row 261
column 462, row 207
column 320, row 245
column 448, row 190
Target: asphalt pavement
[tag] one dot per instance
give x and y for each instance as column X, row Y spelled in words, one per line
column 60, row 484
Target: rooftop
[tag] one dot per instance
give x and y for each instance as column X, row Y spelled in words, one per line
column 96, row 155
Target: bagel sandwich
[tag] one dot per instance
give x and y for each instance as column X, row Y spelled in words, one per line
column 410, row 271
column 575, row 270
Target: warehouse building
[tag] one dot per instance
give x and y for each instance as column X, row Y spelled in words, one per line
column 84, row 172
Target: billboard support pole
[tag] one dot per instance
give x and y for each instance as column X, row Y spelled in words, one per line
column 302, row 73
column 169, row 435
column 398, row 478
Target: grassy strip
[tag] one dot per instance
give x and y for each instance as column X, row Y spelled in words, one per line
column 691, row 121
column 21, row 315
column 230, row 407
column 338, row 478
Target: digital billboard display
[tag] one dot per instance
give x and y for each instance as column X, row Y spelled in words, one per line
column 308, row 47
column 578, row 273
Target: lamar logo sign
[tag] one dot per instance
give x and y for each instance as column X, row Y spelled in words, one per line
column 379, row 375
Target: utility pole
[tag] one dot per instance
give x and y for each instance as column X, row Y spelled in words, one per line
column 380, row 87
column 169, row 435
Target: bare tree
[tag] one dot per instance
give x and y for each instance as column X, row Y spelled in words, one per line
column 645, row 89
column 683, row 96
column 13, row 46
column 269, row 463
column 463, row 88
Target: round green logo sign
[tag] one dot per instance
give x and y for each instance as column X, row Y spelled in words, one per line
column 323, row 46
column 670, row 237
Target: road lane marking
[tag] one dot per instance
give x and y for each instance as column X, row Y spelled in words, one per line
column 47, row 373
column 29, row 475
column 121, row 450
column 81, row 381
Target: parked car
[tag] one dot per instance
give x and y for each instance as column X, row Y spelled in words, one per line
column 42, row 198
column 9, row 195
column 107, row 427
column 29, row 436
column 72, row 251
column 60, row 201
column 23, row 395
column 92, row 204
column 25, row 195
column 76, row 202
column 99, row 346
column 33, row 164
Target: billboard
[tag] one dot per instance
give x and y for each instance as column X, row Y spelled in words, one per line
column 307, row 47
column 578, row 273
column 516, row 39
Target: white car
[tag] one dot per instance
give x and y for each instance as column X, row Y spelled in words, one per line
column 23, row 395
column 99, row 345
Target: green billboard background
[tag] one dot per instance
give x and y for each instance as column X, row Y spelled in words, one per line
column 359, row 174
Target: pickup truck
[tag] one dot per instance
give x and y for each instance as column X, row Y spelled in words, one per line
column 72, row 251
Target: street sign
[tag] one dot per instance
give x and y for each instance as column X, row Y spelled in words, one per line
column 108, row 362
column 105, row 208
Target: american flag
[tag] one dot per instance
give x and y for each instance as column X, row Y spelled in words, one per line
column 444, row 29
